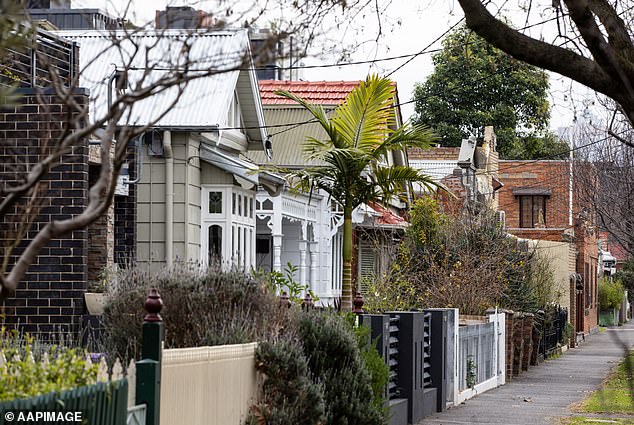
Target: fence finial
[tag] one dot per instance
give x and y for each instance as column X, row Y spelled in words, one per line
column 358, row 303
column 308, row 302
column 153, row 306
column 285, row 301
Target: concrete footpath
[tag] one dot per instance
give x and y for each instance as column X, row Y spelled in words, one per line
column 545, row 392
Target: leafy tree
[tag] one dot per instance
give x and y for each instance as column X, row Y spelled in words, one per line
column 360, row 135
column 611, row 293
column 593, row 45
column 626, row 276
column 467, row 262
column 475, row 85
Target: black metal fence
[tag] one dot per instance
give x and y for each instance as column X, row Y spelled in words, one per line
column 49, row 56
column 553, row 330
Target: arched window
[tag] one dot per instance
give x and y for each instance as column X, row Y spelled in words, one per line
column 215, row 244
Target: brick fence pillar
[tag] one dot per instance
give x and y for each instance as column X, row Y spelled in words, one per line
column 518, row 342
column 527, row 334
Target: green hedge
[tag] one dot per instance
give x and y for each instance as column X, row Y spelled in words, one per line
column 611, row 293
column 30, row 371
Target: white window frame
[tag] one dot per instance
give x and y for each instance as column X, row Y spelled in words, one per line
column 235, row 253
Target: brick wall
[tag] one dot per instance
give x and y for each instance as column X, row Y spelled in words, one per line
column 441, row 153
column 552, row 175
column 587, row 261
column 125, row 218
column 100, row 235
column 452, row 204
column 50, row 297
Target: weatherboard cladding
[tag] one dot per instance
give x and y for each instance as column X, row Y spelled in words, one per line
column 290, row 124
column 287, row 146
column 204, row 102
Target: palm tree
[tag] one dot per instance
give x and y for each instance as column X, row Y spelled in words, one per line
column 361, row 133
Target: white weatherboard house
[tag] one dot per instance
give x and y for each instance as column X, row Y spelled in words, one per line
column 306, row 229
column 196, row 194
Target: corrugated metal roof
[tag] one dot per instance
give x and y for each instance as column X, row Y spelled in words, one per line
column 203, row 103
column 287, row 146
column 319, row 92
column 437, row 170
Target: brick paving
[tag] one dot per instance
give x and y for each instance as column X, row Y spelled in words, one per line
column 545, row 392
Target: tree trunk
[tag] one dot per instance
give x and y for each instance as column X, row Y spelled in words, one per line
column 346, row 283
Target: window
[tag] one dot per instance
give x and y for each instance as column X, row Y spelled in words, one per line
column 228, row 227
column 215, row 244
column 367, row 265
column 532, row 211
column 215, row 202
column 588, row 285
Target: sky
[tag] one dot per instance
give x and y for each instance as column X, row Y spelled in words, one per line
column 408, row 27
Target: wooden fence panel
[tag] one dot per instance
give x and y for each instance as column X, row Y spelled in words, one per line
column 208, row 385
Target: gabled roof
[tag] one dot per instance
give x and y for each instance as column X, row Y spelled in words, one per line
column 324, row 93
column 205, row 102
column 292, row 123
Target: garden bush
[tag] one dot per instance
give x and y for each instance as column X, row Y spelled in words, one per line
column 289, row 395
column 33, row 368
column 466, row 261
column 201, row 308
column 320, row 373
column 374, row 363
column 334, row 359
column 611, row 293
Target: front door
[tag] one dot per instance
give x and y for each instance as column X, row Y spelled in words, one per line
column 580, row 311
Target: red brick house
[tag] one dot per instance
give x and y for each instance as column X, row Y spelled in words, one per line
column 539, row 204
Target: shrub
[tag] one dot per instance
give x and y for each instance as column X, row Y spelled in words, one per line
column 334, row 360
column 626, row 276
column 319, row 375
column 289, row 395
column 467, row 262
column 279, row 282
column 200, row 308
column 374, row 363
column 611, row 293
column 33, row 368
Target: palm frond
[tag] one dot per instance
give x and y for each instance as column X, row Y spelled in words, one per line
column 320, row 115
column 393, row 180
column 364, row 119
column 407, row 136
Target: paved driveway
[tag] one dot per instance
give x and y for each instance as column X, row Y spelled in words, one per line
column 545, row 391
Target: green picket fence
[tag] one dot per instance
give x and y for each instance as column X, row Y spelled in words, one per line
column 104, row 403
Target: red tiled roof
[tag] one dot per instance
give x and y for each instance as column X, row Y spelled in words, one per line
column 387, row 216
column 319, row 92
